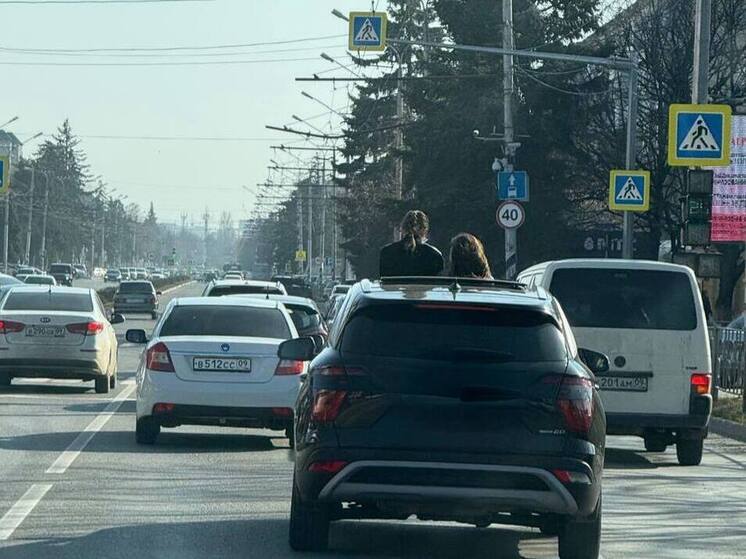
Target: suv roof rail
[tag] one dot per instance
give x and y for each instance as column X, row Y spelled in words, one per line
column 452, row 282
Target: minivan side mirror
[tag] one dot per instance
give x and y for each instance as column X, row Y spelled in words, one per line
column 595, row 361
column 298, row 349
column 117, row 318
column 136, row 336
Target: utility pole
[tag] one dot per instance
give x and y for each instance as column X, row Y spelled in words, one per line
column 323, row 218
column 628, row 230
column 309, row 255
column 335, row 238
column 6, row 230
column 206, row 219
column 44, row 225
column 511, row 235
column 27, row 254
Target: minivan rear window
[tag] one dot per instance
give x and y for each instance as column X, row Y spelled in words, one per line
column 625, row 298
column 48, row 301
column 458, row 332
column 204, row 320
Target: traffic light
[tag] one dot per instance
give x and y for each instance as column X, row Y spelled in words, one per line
column 697, row 208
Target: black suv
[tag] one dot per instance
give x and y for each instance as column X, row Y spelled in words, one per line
column 62, row 273
column 450, row 400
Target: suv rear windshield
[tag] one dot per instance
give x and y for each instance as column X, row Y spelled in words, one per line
column 60, row 269
column 623, row 298
column 454, row 332
column 136, row 287
column 43, row 301
column 220, row 290
column 202, row 320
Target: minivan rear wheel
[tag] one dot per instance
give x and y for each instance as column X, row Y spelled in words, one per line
column 689, row 451
column 581, row 538
column 309, row 524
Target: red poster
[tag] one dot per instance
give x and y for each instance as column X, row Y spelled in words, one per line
column 729, row 191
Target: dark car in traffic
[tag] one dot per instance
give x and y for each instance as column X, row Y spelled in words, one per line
column 136, row 297
column 449, row 400
column 295, row 285
column 62, row 273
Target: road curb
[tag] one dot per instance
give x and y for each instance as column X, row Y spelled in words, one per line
column 726, row 428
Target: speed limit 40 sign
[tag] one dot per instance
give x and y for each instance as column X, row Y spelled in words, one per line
column 510, row 215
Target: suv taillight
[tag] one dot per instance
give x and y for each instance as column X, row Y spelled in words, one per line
column 327, row 405
column 575, row 402
column 158, row 358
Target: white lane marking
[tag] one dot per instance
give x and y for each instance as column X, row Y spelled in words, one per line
column 69, row 455
column 22, row 508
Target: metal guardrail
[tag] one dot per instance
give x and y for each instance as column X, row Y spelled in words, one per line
column 728, row 348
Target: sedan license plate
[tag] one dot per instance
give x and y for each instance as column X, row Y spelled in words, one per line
column 623, row 384
column 45, row 332
column 223, row 364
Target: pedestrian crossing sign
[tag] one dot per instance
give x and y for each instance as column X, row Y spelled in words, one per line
column 368, row 31
column 4, row 174
column 629, row 191
column 699, row 135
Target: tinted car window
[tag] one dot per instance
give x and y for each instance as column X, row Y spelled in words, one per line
column 619, row 298
column 54, row 301
column 42, row 280
column 220, row 290
column 60, row 269
column 200, row 320
column 136, row 287
column 446, row 332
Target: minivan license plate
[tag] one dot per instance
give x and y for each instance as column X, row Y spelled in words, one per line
column 226, row 364
column 623, row 384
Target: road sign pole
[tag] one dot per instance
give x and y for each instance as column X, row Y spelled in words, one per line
column 511, row 235
column 628, row 231
column 6, row 231
column 702, row 24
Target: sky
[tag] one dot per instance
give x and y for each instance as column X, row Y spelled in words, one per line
column 124, row 100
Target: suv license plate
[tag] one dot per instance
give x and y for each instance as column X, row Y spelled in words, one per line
column 623, row 384
column 45, row 332
column 222, row 364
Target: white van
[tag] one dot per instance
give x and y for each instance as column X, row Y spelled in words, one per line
column 648, row 318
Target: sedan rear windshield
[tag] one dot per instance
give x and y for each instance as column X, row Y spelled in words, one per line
column 203, row 320
column 136, row 287
column 48, row 301
column 454, row 332
column 220, row 290
column 624, row 298
column 306, row 320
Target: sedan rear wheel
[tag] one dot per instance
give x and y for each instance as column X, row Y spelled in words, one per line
column 581, row 538
column 113, row 380
column 309, row 524
column 102, row 385
column 147, row 430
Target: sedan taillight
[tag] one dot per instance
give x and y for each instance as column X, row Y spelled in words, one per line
column 90, row 328
column 158, row 358
column 9, row 326
column 288, row 367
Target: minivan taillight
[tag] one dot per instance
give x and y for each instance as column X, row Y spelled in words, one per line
column 158, row 358
column 9, row 326
column 575, row 402
column 701, row 383
column 327, row 405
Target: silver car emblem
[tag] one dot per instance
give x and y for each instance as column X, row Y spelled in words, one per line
column 225, row 347
column 45, row 320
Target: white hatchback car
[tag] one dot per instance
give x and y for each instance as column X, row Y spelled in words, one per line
column 57, row 332
column 218, row 288
column 213, row 361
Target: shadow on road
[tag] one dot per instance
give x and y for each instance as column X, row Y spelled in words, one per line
column 168, row 442
column 267, row 539
column 625, row 459
column 18, row 387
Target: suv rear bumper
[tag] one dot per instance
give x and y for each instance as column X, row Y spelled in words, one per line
column 539, row 491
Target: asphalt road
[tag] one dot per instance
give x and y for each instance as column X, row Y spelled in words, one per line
column 73, row 484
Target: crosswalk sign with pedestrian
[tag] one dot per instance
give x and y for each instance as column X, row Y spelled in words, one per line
column 368, row 31
column 629, row 191
column 699, row 135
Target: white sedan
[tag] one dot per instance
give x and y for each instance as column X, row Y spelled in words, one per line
column 57, row 332
column 213, row 361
